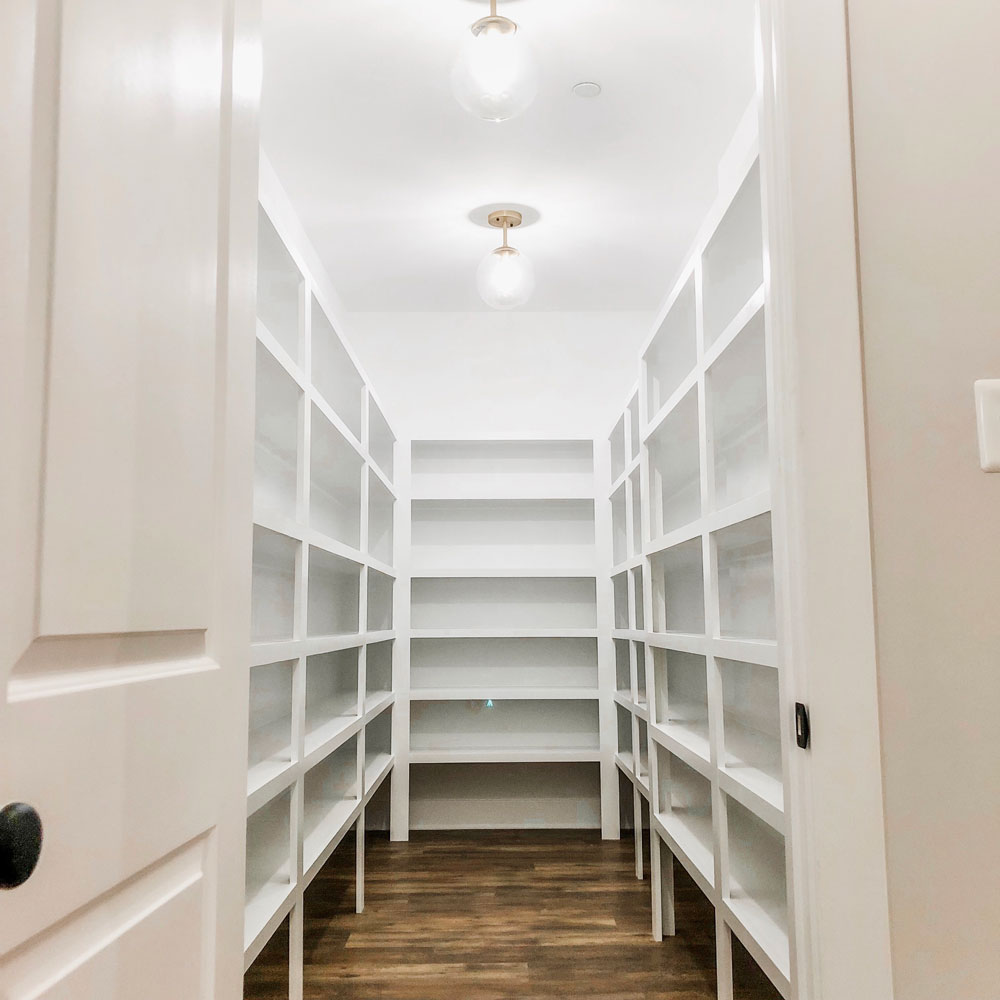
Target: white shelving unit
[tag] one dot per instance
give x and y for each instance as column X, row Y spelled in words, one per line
column 698, row 681
column 322, row 670
column 506, row 650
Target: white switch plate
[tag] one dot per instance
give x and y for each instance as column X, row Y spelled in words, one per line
column 988, row 420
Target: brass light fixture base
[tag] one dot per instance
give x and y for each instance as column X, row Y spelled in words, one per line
column 502, row 24
column 505, row 218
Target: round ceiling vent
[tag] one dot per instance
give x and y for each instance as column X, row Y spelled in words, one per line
column 587, row 89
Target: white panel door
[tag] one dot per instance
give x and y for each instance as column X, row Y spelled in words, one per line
column 125, row 449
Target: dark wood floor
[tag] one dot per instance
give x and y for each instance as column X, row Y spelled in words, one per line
column 498, row 916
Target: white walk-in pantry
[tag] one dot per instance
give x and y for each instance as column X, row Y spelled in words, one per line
column 453, row 457
column 523, row 631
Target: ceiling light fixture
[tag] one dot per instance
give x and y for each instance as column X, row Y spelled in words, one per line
column 494, row 77
column 505, row 278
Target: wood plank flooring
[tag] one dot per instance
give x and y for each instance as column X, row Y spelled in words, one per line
column 498, row 916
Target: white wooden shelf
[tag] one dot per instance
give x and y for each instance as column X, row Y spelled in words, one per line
column 688, row 845
column 504, row 633
column 502, row 469
column 377, row 767
column 270, row 874
column 491, row 795
column 385, row 480
column 638, row 709
column 263, row 911
column 334, row 720
column 689, row 743
column 694, row 622
column 517, row 663
column 505, row 651
column 527, row 491
column 508, row 755
column 502, row 572
column 330, row 821
column 630, row 468
column 376, row 702
column 271, row 652
column 381, row 441
column 323, row 648
column 504, row 694
column 484, row 536
column 267, row 772
column 763, row 937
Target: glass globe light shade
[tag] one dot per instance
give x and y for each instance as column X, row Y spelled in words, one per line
column 495, row 76
column 505, row 278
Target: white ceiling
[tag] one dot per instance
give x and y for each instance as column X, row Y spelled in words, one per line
column 384, row 167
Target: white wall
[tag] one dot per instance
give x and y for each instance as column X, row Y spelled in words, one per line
column 466, row 374
column 926, row 89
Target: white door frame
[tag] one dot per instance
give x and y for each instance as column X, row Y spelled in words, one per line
column 235, row 508
column 840, row 897
column 840, row 901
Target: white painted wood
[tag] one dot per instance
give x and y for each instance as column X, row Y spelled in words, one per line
column 839, row 896
column 325, row 592
column 505, row 652
column 718, row 702
column 126, row 268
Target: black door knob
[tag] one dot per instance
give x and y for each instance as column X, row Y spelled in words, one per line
column 20, row 844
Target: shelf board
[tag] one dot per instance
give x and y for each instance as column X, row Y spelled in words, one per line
column 331, row 827
column 674, row 537
column 504, row 755
column 270, row 344
column 332, row 738
column 504, row 633
column 630, row 466
column 319, row 540
column 689, row 741
column 634, row 561
column 281, row 524
column 376, row 702
column 633, row 634
column 324, row 854
column 266, row 771
column 624, row 698
column 384, row 568
column 319, row 401
column 761, row 793
column 626, row 761
column 690, row 849
column 642, row 783
column 261, row 915
column 263, row 785
column 762, row 652
column 763, row 937
column 385, row 480
column 275, row 737
column 674, row 400
column 487, row 572
column 262, row 653
column 736, row 513
column 327, row 720
column 377, row 766
column 505, row 694
column 736, row 326
column 681, row 642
